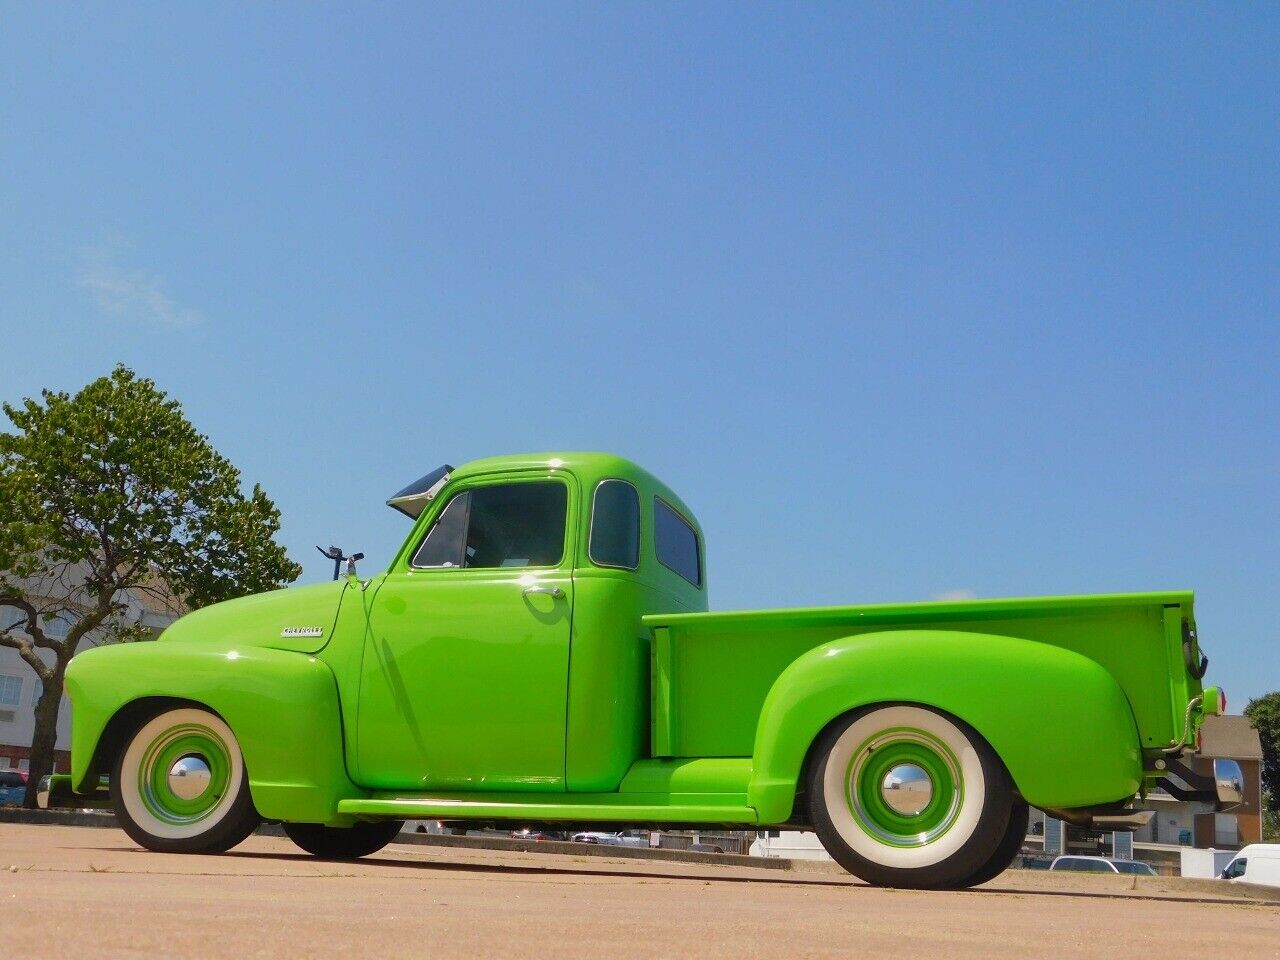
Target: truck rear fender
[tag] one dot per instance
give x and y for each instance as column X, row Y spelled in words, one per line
column 281, row 705
column 1057, row 719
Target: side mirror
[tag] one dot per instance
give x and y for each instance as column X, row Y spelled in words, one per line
column 335, row 554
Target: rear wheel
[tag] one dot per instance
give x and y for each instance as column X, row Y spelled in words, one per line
column 343, row 843
column 179, row 786
column 905, row 796
column 1010, row 844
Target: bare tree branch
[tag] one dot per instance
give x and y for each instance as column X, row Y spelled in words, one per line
column 32, row 614
column 27, row 648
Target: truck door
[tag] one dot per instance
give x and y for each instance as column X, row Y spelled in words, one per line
column 466, row 665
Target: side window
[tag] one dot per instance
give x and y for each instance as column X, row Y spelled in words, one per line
column 444, row 542
column 508, row 525
column 676, row 543
column 1235, row 868
column 615, row 525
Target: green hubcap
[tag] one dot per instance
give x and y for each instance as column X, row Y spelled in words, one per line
column 904, row 787
column 184, row 774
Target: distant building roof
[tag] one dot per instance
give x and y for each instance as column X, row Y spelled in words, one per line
column 1230, row 736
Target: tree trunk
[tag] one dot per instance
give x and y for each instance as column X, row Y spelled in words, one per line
column 45, row 738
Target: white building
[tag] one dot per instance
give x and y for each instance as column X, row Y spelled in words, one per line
column 153, row 609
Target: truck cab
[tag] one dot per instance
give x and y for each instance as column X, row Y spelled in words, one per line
column 506, row 638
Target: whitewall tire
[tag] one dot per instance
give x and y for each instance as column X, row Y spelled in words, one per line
column 180, row 785
column 906, row 796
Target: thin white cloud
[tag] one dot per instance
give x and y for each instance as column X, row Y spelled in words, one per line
column 127, row 293
column 962, row 593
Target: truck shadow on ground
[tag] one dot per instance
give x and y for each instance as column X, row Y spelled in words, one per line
column 783, row 878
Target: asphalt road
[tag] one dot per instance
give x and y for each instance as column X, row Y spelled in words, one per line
column 73, row 891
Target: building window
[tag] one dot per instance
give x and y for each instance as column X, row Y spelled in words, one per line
column 10, row 691
column 57, row 626
column 676, row 542
column 615, row 525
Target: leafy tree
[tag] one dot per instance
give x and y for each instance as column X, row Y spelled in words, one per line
column 1264, row 714
column 1270, row 818
column 107, row 491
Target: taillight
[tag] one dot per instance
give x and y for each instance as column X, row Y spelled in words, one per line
column 1214, row 702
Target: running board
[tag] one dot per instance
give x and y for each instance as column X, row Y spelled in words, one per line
column 566, row 808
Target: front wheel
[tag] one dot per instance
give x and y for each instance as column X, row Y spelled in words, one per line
column 179, row 785
column 343, row 843
column 905, row 796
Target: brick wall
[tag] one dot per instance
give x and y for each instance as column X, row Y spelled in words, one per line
column 16, row 754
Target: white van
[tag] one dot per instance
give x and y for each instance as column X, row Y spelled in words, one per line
column 1256, row 863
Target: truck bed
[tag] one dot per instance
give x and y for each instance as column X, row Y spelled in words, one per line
column 702, row 662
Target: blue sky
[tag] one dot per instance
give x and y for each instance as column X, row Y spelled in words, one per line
column 904, row 301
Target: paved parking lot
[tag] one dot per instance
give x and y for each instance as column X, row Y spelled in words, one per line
column 90, row 892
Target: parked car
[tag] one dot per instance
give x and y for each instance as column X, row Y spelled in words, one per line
column 540, row 650
column 13, row 788
column 1255, row 863
column 589, row 836
column 705, row 848
column 530, row 833
column 1102, row 865
column 616, row 839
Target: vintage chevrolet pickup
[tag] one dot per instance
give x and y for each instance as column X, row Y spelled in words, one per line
column 540, row 652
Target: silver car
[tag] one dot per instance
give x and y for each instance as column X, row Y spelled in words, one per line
column 1102, row 865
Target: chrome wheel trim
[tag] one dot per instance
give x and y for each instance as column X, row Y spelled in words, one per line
column 907, row 789
column 189, row 777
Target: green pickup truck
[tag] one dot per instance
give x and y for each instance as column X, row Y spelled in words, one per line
column 540, row 652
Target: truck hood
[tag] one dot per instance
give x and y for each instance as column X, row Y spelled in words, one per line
column 296, row 618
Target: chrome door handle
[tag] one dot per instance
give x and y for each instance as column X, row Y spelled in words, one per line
column 554, row 592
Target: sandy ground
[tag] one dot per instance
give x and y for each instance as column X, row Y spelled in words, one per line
column 73, row 891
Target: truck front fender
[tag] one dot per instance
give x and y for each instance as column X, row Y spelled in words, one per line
column 1057, row 719
column 281, row 705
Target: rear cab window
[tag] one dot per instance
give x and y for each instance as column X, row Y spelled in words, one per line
column 676, row 542
column 615, row 525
